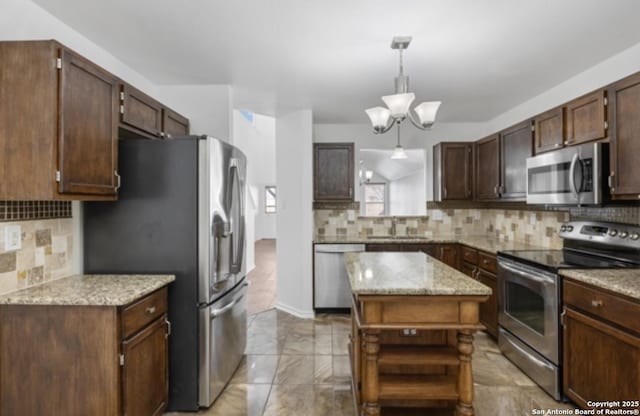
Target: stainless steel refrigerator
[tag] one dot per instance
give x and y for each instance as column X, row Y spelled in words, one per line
column 180, row 210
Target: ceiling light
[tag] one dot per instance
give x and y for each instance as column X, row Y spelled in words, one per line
column 398, row 152
column 399, row 104
column 368, row 174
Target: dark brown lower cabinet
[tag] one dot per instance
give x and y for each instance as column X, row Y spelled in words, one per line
column 601, row 345
column 85, row 360
column 489, row 309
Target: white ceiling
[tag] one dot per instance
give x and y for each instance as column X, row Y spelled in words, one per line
column 379, row 161
column 479, row 57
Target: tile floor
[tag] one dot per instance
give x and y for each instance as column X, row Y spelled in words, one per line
column 262, row 290
column 300, row 367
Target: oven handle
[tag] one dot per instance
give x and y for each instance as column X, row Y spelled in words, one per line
column 529, row 274
column 529, row 355
column 572, row 172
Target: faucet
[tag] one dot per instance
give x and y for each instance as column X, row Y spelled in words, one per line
column 394, row 222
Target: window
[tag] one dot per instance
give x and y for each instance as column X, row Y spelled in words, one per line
column 374, row 199
column 270, row 199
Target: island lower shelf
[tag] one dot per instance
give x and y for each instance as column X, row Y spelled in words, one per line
column 413, row 352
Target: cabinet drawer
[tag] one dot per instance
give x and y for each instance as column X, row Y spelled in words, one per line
column 470, row 255
column 137, row 315
column 487, row 262
column 603, row 305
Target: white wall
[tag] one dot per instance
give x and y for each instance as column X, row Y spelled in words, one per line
column 407, row 195
column 612, row 69
column 208, row 107
column 258, row 141
column 295, row 215
column 410, row 137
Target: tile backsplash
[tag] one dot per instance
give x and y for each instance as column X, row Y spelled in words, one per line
column 47, row 246
column 535, row 227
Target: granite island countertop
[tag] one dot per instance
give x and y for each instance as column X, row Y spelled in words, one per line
column 480, row 242
column 89, row 290
column 407, row 274
column 623, row 281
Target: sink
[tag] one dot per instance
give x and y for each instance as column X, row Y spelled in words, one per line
column 395, row 237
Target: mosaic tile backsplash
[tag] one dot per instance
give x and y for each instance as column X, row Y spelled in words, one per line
column 534, row 227
column 45, row 254
column 34, row 210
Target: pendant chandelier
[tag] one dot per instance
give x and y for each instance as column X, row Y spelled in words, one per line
column 399, row 104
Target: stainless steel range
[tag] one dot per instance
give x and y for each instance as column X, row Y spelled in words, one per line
column 529, row 297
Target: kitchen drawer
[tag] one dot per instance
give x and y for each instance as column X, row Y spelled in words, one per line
column 607, row 306
column 137, row 315
column 487, row 262
column 468, row 269
column 470, row 255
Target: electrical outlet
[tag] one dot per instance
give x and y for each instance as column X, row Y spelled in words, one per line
column 12, row 237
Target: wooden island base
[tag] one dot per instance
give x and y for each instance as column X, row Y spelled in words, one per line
column 413, row 352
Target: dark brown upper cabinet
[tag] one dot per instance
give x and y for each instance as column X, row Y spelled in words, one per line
column 173, row 124
column 549, row 130
column 624, row 113
column 142, row 116
column 453, row 171
column 586, row 118
column 58, row 136
column 487, row 168
column 333, row 171
column 515, row 148
column 139, row 112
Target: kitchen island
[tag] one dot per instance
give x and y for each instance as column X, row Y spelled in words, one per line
column 413, row 320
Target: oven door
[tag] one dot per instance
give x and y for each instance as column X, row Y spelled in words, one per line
column 528, row 306
column 570, row 176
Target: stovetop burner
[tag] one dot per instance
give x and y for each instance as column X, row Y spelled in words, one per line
column 587, row 245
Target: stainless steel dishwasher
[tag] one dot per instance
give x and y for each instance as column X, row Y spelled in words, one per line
column 331, row 288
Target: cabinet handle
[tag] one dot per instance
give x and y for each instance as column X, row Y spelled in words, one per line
column 118, row 180
column 151, row 310
column 350, row 191
column 562, row 315
column 168, row 323
column 162, row 134
column 495, row 190
column 557, row 145
column 597, row 303
column 444, row 191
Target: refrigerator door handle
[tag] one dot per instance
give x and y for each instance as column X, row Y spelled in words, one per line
column 219, row 228
column 237, row 216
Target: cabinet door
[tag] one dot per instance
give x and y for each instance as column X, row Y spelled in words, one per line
column 549, row 133
column 489, row 309
column 384, row 247
column 145, row 374
column 140, row 112
column 624, row 111
column 487, row 169
column 456, row 171
column 448, row 254
column 333, row 173
column 586, row 119
column 515, row 148
column 600, row 362
column 87, row 128
column 173, row 124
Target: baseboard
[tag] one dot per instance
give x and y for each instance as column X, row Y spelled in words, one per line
column 295, row 311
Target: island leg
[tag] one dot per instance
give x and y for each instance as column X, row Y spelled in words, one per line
column 465, row 376
column 371, row 344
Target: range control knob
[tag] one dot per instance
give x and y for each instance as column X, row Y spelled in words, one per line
column 563, row 228
column 613, row 233
column 634, row 236
column 569, row 228
column 623, row 234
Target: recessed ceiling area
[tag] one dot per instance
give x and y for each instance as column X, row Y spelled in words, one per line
column 480, row 58
column 379, row 161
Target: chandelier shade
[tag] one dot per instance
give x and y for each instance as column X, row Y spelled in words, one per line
column 427, row 112
column 379, row 117
column 399, row 104
column 399, row 153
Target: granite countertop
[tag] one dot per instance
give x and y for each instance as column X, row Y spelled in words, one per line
column 407, row 274
column 480, row 242
column 622, row 281
column 89, row 290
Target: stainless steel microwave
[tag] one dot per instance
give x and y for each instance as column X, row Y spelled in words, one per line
column 571, row 176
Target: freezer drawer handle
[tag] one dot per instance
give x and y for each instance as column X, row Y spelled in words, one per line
column 226, row 308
